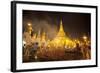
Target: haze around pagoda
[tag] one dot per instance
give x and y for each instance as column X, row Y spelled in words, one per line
column 61, row 39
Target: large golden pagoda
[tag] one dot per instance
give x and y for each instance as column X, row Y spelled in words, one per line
column 61, row 40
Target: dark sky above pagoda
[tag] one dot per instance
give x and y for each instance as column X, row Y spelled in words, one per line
column 75, row 24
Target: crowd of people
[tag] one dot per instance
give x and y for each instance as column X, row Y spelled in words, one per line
column 35, row 53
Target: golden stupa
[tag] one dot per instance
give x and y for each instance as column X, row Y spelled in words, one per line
column 62, row 40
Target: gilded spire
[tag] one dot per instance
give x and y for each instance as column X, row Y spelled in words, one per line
column 61, row 30
column 61, row 26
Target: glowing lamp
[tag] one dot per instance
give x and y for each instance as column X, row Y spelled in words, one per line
column 84, row 37
column 29, row 24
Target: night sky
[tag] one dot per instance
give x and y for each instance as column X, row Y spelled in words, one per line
column 75, row 24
